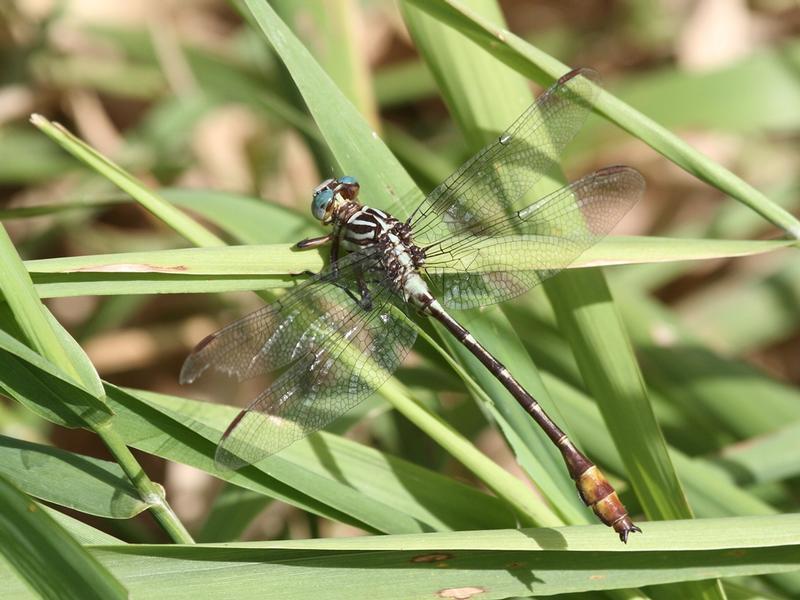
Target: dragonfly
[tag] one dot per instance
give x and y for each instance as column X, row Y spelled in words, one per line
column 477, row 239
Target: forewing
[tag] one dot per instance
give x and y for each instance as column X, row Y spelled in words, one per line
column 281, row 332
column 339, row 370
column 498, row 177
column 510, row 254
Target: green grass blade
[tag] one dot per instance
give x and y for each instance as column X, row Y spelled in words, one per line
column 686, row 372
column 767, row 458
column 264, row 267
column 45, row 556
column 26, row 157
column 403, row 82
column 530, row 508
column 104, row 74
column 341, row 54
column 426, row 163
column 167, row 213
column 84, row 534
column 723, row 498
column 25, row 212
column 270, row 259
column 88, row 485
column 589, row 320
column 232, row 511
column 749, row 95
column 284, row 259
column 768, row 300
column 57, row 286
column 42, row 331
column 480, row 564
column 772, row 531
column 43, row 387
column 324, row 474
column 246, row 219
column 355, row 145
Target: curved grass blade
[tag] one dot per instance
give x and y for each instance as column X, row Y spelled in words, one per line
column 170, row 215
column 234, row 268
column 43, row 332
column 325, row 474
column 45, row 556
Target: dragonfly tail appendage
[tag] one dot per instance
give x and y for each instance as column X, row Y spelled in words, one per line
column 596, row 492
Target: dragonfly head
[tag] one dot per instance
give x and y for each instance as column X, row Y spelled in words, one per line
column 330, row 195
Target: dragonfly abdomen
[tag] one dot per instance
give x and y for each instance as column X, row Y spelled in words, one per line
column 594, row 489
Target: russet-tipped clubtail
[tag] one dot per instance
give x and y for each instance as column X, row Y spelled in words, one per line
column 474, row 240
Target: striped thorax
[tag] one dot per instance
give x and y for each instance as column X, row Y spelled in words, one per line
column 357, row 227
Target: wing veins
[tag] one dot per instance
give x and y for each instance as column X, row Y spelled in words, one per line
column 253, row 438
column 563, row 115
column 211, row 352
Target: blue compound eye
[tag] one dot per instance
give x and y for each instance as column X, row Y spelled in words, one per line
column 347, row 180
column 320, row 203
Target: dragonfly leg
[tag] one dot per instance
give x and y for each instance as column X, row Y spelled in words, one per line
column 335, row 237
column 366, row 296
column 308, row 244
column 314, row 242
column 305, row 273
column 365, row 301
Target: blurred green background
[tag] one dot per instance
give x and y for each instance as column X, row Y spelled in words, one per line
column 191, row 100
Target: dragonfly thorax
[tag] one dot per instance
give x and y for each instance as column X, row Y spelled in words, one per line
column 359, row 228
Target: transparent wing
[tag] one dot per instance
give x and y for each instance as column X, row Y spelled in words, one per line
column 346, row 361
column 509, row 254
column 337, row 347
column 498, row 176
column 281, row 332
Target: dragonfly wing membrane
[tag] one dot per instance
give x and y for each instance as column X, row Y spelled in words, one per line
column 279, row 333
column 345, row 363
column 498, row 176
column 512, row 253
